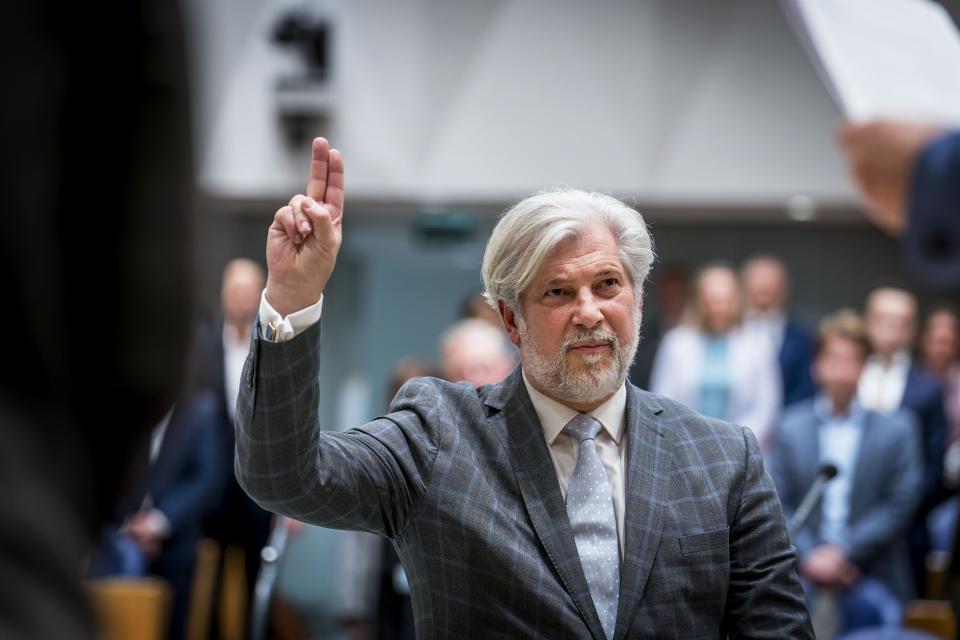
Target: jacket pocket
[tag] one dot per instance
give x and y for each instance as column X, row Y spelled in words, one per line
column 696, row 542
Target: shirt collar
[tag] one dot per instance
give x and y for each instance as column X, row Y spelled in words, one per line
column 554, row 415
column 900, row 360
column 773, row 317
column 823, row 409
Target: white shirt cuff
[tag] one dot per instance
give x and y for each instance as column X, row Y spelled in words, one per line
column 286, row 328
column 158, row 522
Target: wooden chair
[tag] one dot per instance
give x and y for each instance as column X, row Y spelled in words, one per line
column 232, row 615
column 202, row 590
column 132, row 608
column 933, row 616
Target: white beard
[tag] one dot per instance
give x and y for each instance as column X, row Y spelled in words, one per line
column 597, row 380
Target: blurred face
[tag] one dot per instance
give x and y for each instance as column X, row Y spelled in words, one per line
column 940, row 342
column 477, row 360
column 240, row 294
column 765, row 286
column 890, row 321
column 580, row 322
column 718, row 295
column 837, row 369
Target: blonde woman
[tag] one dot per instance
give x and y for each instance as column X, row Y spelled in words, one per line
column 712, row 365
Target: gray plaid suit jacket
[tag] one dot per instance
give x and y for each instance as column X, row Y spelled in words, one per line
column 463, row 483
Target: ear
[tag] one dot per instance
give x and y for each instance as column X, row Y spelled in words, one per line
column 509, row 319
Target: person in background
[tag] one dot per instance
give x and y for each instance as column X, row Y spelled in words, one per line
column 238, row 522
column 853, row 546
column 712, row 365
column 939, row 352
column 474, row 351
column 667, row 296
column 940, row 356
column 892, row 381
column 476, row 307
column 766, row 287
column 161, row 519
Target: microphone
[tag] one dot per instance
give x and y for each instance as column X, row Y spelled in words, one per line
column 826, row 473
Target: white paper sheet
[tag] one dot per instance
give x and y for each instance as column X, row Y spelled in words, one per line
column 883, row 58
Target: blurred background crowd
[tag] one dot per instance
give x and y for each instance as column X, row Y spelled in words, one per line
column 148, row 161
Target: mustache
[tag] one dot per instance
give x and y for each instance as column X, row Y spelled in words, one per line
column 582, row 337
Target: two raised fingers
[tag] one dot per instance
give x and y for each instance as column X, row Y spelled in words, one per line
column 322, row 206
column 325, row 183
column 301, row 216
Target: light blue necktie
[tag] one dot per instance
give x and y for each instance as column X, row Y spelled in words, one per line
column 590, row 510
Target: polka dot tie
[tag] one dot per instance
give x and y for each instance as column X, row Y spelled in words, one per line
column 590, row 509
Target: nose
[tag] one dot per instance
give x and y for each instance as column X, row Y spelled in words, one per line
column 587, row 311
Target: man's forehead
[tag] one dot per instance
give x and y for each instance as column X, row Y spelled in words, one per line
column 599, row 271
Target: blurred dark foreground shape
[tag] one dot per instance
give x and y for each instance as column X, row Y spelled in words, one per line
column 96, row 189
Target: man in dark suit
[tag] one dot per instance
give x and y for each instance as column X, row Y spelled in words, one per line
column 766, row 287
column 853, row 545
column 893, row 381
column 559, row 503
column 238, row 521
column 181, row 481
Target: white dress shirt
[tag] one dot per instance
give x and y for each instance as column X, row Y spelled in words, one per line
column 611, row 441
column 881, row 385
column 234, row 355
column 839, row 442
column 771, row 325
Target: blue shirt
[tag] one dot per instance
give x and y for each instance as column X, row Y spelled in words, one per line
column 715, row 383
column 839, row 443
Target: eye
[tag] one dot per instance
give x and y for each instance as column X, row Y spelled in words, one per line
column 554, row 293
column 608, row 284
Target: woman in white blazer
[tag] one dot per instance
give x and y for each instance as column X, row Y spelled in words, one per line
column 713, row 365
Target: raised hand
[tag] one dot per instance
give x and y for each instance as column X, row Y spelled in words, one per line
column 880, row 157
column 305, row 237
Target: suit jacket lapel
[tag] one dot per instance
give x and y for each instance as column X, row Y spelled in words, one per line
column 522, row 436
column 648, row 466
column 860, row 469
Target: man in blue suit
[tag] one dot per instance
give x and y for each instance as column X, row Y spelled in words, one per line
column 892, row 381
column 853, row 544
column 561, row 502
column 766, row 287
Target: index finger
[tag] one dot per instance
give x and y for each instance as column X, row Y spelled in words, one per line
column 334, row 195
column 319, row 163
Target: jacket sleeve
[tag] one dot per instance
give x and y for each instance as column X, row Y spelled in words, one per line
column 765, row 598
column 902, row 470
column 370, row 478
column 931, row 244
column 201, row 480
column 785, row 475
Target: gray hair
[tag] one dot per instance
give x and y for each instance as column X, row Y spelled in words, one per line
column 531, row 229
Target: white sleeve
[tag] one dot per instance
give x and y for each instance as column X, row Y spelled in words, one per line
column 277, row 328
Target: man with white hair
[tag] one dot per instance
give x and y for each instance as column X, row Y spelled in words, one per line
column 474, row 351
column 559, row 503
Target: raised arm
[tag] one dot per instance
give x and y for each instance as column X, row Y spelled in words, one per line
column 305, row 237
column 370, row 478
